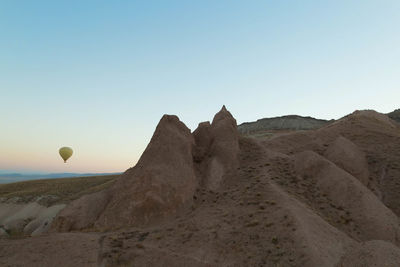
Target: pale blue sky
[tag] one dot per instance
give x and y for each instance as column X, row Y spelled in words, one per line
column 98, row 75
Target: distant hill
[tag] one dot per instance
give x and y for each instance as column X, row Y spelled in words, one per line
column 395, row 115
column 52, row 191
column 290, row 122
column 18, row 177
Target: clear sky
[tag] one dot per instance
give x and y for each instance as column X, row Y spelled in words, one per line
column 98, row 75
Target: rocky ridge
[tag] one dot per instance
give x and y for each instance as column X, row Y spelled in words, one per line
column 323, row 197
column 395, row 115
column 165, row 178
column 289, row 122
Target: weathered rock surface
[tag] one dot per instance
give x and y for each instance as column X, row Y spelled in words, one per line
column 323, row 244
column 217, row 148
column 162, row 182
column 373, row 253
column 291, row 199
column 28, row 218
column 373, row 219
column 349, row 157
column 164, row 179
column 82, row 213
column 395, row 115
column 41, row 224
column 290, row 122
column 203, row 140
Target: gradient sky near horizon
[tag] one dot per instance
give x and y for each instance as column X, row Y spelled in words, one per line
column 98, row 75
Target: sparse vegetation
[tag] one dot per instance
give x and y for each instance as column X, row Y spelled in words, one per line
column 61, row 190
column 252, row 223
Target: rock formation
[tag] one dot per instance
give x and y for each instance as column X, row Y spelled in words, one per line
column 290, row 122
column 217, row 148
column 395, row 115
column 160, row 184
column 349, row 157
column 164, row 179
column 373, row 219
column 326, row 197
column 31, row 218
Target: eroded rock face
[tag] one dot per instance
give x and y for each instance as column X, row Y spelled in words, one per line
column 349, row 157
column 82, row 213
column 165, row 178
column 217, row 148
column 323, row 243
column 160, row 184
column 373, row 219
column 372, row 253
column 287, row 204
column 203, row 140
column 374, row 116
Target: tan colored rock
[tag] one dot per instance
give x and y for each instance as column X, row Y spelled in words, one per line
column 27, row 217
column 323, row 244
column 346, row 155
column 374, row 220
column 217, row 148
column 41, row 224
column 16, row 216
column 162, row 182
column 283, row 206
column 81, row 213
column 225, row 146
column 375, row 253
column 374, row 116
column 203, row 140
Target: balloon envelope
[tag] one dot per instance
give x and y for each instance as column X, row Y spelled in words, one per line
column 65, row 153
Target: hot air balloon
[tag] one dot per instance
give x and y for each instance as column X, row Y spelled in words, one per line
column 65, row 153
